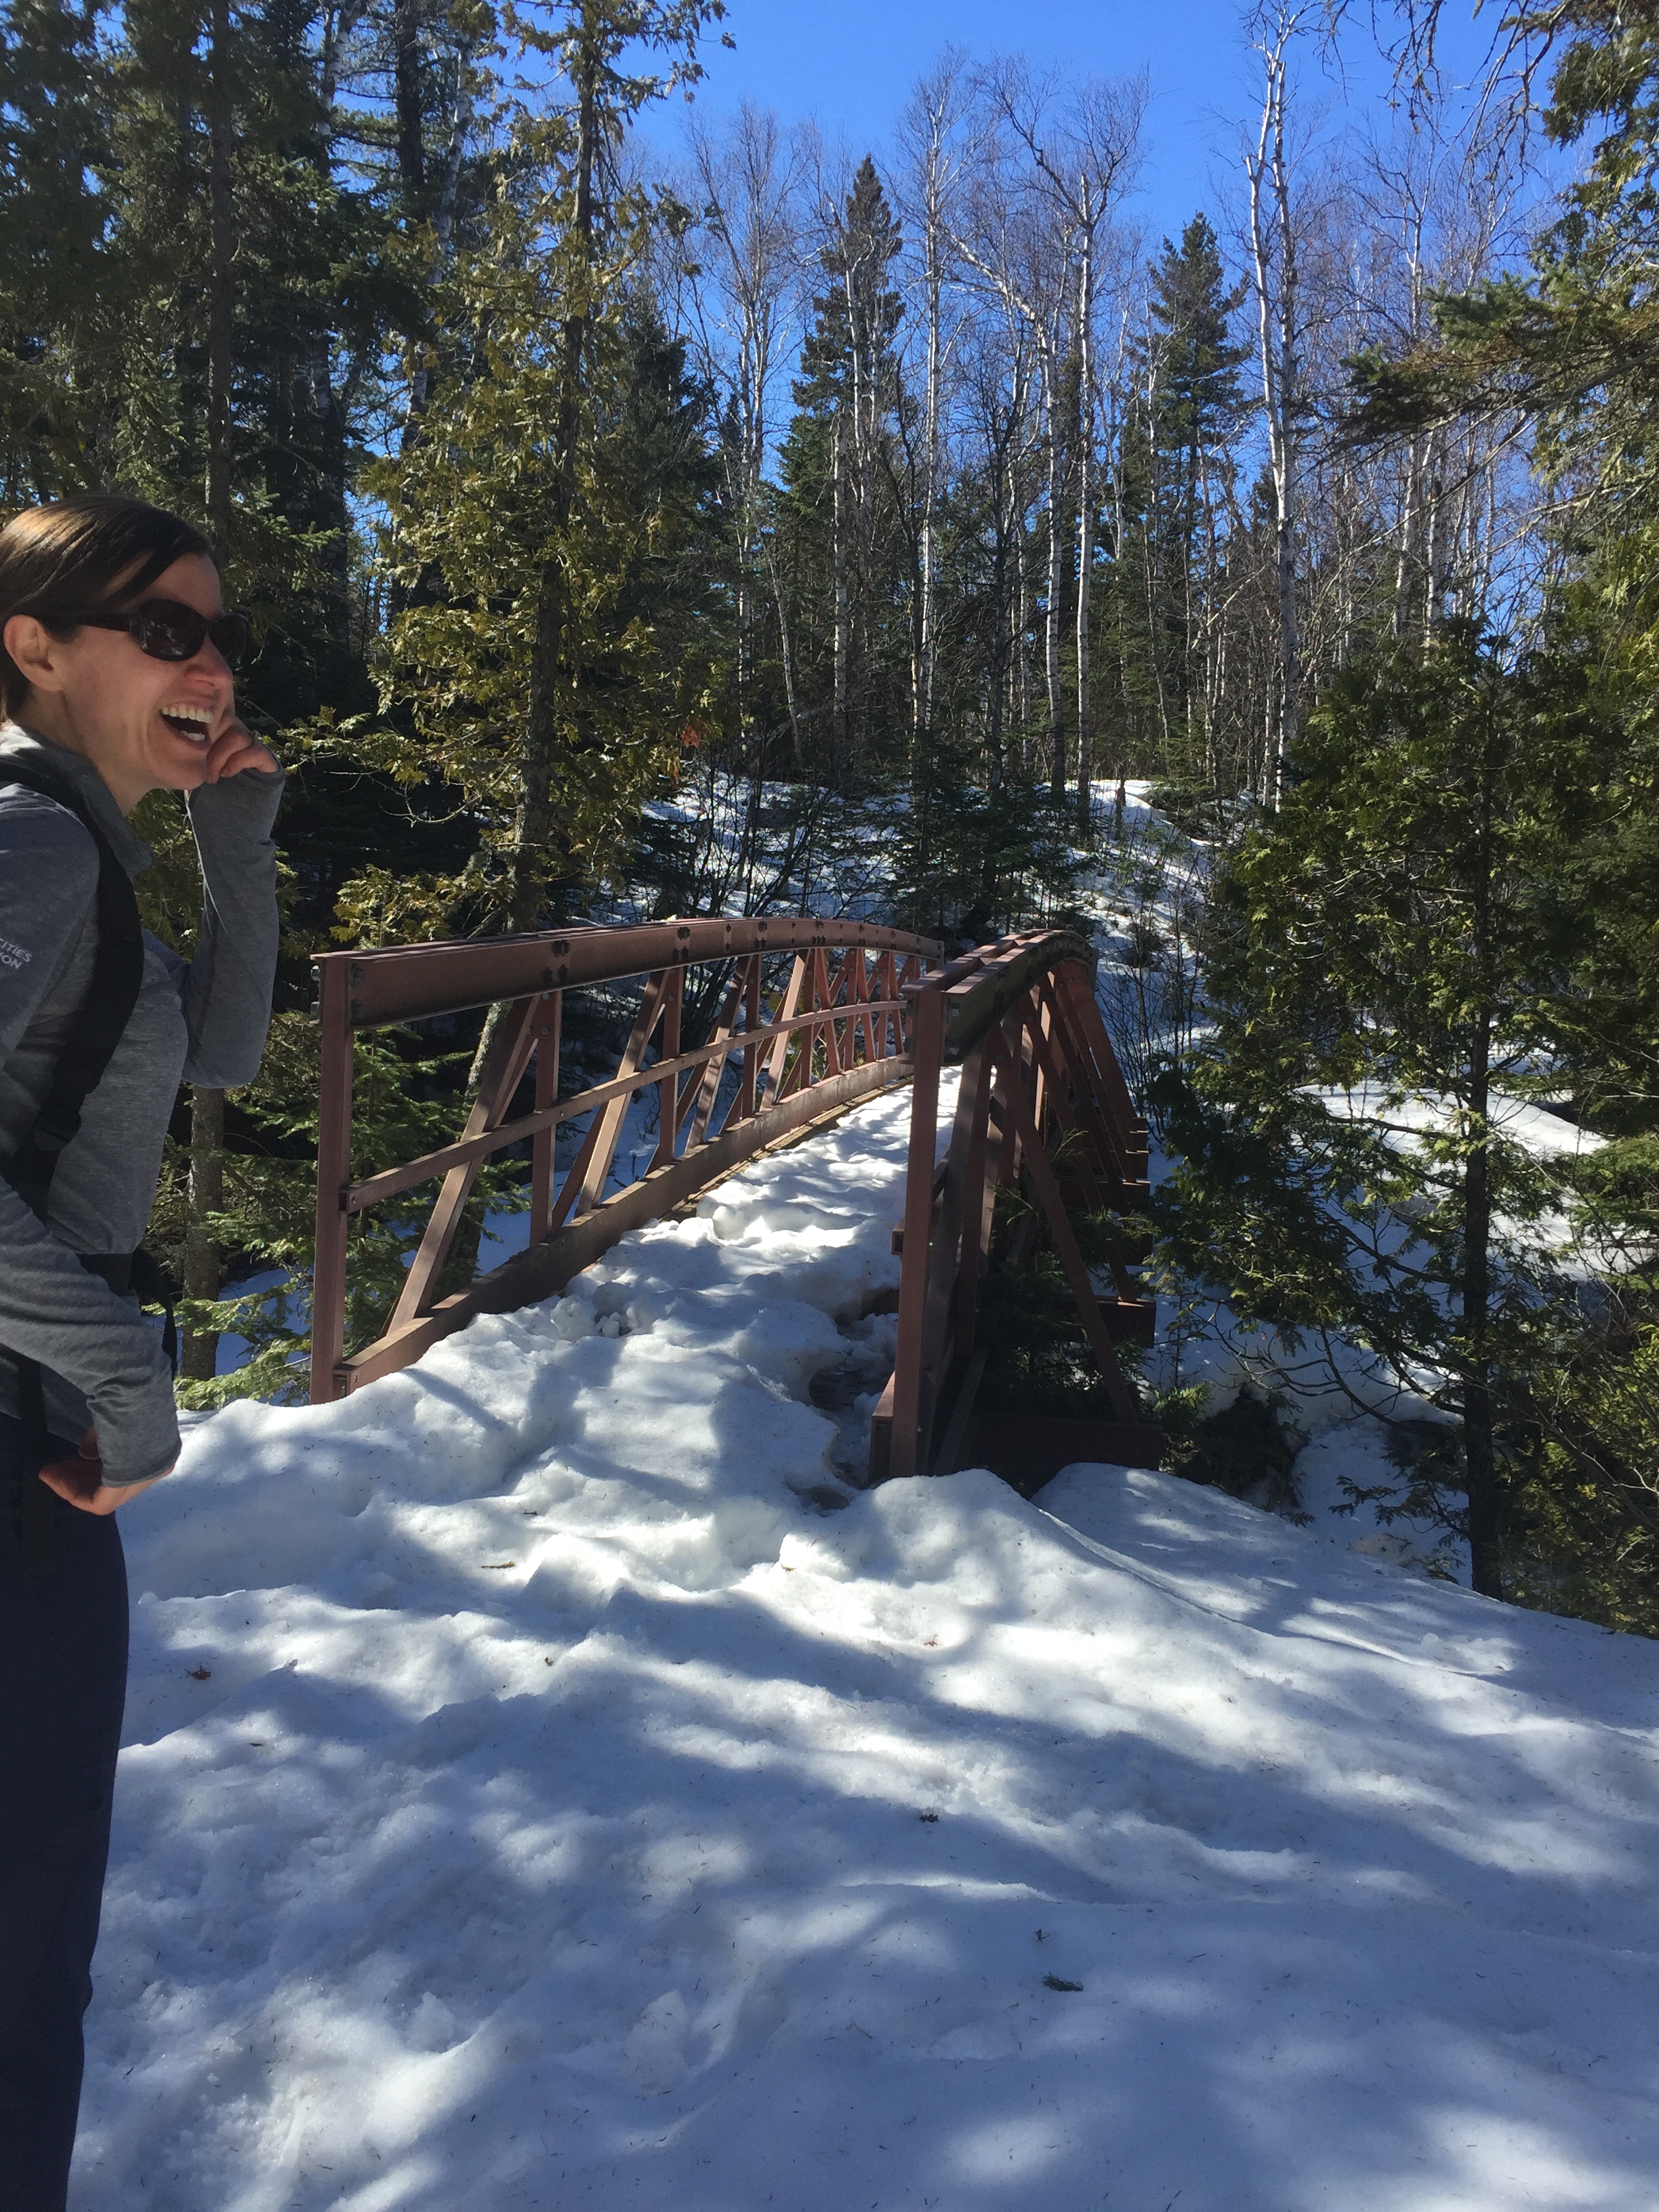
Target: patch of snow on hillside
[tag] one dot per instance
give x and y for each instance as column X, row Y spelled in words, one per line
column 550, row 1783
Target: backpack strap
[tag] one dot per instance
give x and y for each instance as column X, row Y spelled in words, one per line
column 117, row 974
column 102, row 1018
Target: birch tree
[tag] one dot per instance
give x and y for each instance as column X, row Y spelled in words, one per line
column 1086, row 159
column 747, row 182
column 933, row 154
column 1054, row 163
column 1275, row 277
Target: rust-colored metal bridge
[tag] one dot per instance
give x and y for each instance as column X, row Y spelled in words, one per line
column 1040, row 1101
column 810, row 1017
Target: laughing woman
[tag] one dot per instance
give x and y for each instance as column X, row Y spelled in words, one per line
column 117, row 674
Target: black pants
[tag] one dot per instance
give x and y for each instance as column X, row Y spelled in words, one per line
column 63, row 1684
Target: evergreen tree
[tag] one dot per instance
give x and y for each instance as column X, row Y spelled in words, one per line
column 840, row 549
column 560, row 474
column 469, row 513
column 1405, row 929
column 1570, row 350
column 593, row 239
column 243, row 246
column 1176, row 471
column 54, row 119
column 1198, row 409
column 1568, row 353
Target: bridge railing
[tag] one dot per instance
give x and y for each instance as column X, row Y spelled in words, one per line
column 815, row 1015
column 1041, row 1097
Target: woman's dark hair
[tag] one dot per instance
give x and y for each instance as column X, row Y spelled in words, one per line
column 66, row 559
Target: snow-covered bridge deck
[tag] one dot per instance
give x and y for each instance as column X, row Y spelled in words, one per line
column 538, row 1796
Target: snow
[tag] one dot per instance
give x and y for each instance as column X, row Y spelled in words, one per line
column 506, row 1231
column 1335, row 1401
column 551, row 1782
column 1531, row 1128
column 1337, row 1408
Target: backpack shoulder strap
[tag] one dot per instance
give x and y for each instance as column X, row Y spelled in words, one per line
column 118, row 971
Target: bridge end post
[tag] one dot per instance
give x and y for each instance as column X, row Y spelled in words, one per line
column 928, row 1031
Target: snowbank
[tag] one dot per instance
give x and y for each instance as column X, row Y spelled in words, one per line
column 549, row 1785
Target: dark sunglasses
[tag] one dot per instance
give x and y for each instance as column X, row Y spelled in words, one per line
column 167, row 629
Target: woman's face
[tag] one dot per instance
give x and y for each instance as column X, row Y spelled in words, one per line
column 141, row 722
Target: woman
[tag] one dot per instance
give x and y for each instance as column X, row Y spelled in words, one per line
column 116, row 677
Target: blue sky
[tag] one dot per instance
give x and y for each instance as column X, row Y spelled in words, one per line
column 850, row 64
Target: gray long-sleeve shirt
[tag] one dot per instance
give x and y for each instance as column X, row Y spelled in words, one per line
column 203, row 1020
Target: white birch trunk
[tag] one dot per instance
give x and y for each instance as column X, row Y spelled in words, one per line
column 1273, row 248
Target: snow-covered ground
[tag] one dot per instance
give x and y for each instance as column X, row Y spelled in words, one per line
column 550, row 1783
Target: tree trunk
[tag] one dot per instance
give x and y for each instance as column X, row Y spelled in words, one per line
column 207, row 1111
column 1272, row 245
column 745, row 618
column 1151, row 564
column 996, row 687
column 924, row 705
column 1484, row 1520
column 1436, row 563
column 406, row 91
column 842, row 610
column 339, row 22
column 411, row 161
column 1055, row 610
column 1019, row 670
column 858, row 479
column 1214, row 635
column 534, row 827
column 787, row 653
column 1086, row 529
column 1290, row 643
column 203, row 1261
column 318, row 371
column 460, row 122
column 222, row 302
column 930, row 121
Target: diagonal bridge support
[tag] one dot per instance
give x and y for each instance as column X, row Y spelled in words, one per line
column 1042, row 1100
column 812, row 1016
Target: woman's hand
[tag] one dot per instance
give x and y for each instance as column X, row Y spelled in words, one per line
column 79, row 1481
column 236, row 748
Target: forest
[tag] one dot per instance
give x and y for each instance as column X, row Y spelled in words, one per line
column 579, row 447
